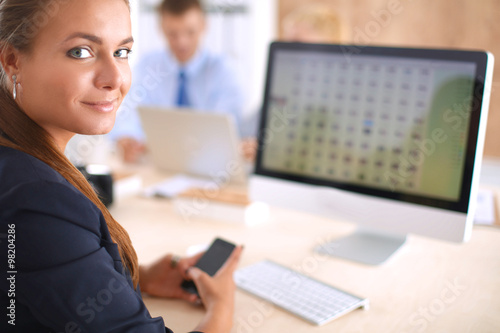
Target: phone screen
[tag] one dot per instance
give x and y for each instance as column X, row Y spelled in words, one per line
column 211, row 261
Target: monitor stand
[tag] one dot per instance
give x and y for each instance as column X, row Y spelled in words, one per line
column 364, row 246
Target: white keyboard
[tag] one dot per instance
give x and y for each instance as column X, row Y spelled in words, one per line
column 301, row 295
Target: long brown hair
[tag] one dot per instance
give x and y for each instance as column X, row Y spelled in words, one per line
column 20, row 21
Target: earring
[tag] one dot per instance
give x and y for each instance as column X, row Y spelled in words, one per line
column 14, row 80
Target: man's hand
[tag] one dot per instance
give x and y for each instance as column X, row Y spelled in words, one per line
column 131, row 149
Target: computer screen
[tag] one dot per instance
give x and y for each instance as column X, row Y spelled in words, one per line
column 400, row 124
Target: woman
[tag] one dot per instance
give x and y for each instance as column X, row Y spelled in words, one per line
column 70, row 267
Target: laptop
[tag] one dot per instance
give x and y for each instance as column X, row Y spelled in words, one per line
column 193, row 143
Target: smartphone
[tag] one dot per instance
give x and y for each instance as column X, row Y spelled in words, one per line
column 211, row 261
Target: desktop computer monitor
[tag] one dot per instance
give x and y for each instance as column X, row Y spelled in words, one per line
column 390, row 139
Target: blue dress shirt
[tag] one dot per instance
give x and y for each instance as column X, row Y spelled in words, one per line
column 211, row 86
column 68, row 275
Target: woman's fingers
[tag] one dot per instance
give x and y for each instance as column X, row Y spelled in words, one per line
column 186, row 263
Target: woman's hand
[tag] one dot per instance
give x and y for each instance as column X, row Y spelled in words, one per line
column 217, row 294
column 163, row 278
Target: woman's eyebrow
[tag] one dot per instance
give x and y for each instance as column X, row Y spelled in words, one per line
column 94, row 38
column 83, row 35
column 127, row 40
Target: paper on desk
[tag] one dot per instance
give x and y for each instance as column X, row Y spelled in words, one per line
column 485, row 209
column 173, row 186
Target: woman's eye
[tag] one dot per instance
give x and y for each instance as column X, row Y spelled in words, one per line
column 80, row 53
column 123, row 53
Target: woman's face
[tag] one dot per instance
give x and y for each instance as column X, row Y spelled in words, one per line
column 77, row 72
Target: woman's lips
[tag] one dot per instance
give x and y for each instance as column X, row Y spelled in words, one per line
column 105, row 106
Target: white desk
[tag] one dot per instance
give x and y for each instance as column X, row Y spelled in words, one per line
column 428, row 286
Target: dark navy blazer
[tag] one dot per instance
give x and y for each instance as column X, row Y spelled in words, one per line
column 68, row 273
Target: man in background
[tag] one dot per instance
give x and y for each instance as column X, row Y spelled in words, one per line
column 184, row 76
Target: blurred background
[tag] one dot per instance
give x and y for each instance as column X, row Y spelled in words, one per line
column 241, row 30
column 463, row 24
